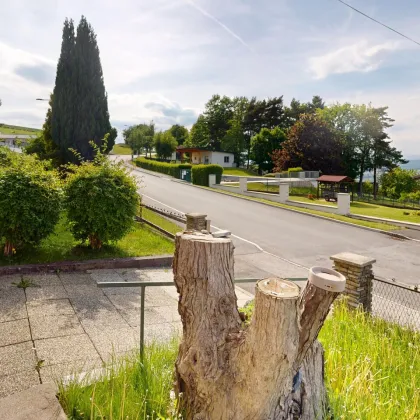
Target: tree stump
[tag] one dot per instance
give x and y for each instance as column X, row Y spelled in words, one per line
column 271, row 368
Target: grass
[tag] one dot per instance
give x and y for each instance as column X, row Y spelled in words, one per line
column 161, row 221
column 357, row 207
column 238, row 172
column 14, row 129
column 131, row 388
column 365, row 223
column 61, row 246
column 372, row 367
column 121, row 149
column 372, row 371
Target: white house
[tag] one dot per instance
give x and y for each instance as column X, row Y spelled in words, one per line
column 203, row 156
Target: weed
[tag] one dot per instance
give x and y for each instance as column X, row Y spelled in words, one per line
column 25, row 283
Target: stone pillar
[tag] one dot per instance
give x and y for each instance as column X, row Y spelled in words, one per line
column 196, row 221
column 284, row 192
column 212, row 180
column 358, row 271
column 343, row 203
column 243, row 185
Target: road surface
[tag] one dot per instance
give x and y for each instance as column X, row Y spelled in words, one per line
column 274, row 241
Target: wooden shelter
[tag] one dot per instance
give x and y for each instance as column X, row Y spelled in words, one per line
column 330, row 185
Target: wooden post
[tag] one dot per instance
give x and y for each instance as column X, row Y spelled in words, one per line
column 228, row 370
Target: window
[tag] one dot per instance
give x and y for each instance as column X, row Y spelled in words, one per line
column 226, row 159
column 206, row 160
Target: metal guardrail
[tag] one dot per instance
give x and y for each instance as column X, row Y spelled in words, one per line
column 396, row 302
column 143, row 285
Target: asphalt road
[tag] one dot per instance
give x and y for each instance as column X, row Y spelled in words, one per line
column 274, row 241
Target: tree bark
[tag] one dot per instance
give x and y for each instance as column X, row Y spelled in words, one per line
column 228, row 370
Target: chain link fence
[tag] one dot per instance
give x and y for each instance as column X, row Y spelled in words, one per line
column 395, row 302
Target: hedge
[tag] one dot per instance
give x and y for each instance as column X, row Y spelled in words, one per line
column 200, row 174
column 172, row 169
column 298, row 169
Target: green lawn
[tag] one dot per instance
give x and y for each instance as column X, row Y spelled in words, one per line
column 238, row 172
column 160, row 221
column 367, row 209
column 372, row 371
column 12, row 129
column 61, row 246
column 121, row 149
column 372, row 367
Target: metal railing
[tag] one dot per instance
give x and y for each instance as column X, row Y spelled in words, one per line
column 396, row 302
column 143, row 285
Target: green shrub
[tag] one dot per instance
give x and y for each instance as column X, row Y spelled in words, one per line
column 413, row 196
column 297, row 169
column 367, row 187
column 171, row 169
column 200, row 174
column 30, row 203
column 101, row 202
column 269, row 175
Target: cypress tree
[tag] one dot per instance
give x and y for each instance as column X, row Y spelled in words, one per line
column 80, row 109
column 62, row 105
column 91, row 113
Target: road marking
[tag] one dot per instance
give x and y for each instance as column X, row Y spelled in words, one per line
column 236, row 236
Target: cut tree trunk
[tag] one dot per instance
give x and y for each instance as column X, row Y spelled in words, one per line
column 269, row 369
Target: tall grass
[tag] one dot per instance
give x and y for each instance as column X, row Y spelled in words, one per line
column 372, row 367
column 130, row 389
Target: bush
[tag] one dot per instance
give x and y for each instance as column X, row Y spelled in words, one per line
column 30, row 203
column 101, row 202
column 171, row 169
column 200, row 174
column 367, row 187
column 298, row 169
column 414, row 196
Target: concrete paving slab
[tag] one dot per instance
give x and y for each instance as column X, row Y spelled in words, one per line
column 7, row 281
column 17, row 358
column 46, row 292
column 104, row 321
column 12, row 294
column 36, row 403
column 68, row 349
column 157, row 297
column 122, row 302
column 105, row 275
column 76, row 278
column 12, row 310
column 168, row 313
column 57, row 373
column 171, row 291
column 131, row 274
column 54, row 326
column 86, row 307
column 134, row 291
column 151, row 317
column 14, row 383
column 50, row 307
column 160, row 332
column 12, row 332
column 43, row 279
column 159, row 275
column 83, row 290
column 112, row 341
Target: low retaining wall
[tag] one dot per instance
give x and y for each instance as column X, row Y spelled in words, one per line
column 319, row 207
column 135, row 262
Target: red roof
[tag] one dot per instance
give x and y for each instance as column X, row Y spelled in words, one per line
column 334, row 178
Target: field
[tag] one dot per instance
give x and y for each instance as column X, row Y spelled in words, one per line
column 121, row 149
column 13, row 129
column 61, row 246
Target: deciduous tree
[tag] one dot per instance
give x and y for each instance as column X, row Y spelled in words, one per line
column 179, row 133
column 165, row 144
column 264, row 144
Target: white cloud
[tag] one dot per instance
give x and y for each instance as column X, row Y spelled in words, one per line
column 358, row 57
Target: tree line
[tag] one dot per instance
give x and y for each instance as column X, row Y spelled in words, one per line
column 338, row 139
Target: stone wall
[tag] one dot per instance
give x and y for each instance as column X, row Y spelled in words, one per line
column 358, row 271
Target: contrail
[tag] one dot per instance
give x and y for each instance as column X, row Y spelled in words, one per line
column 214, row 19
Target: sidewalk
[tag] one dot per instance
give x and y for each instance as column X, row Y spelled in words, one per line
column 64, row 324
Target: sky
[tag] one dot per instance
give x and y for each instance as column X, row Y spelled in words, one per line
column 163, row 59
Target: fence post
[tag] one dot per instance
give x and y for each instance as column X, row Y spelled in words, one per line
column 196, row 221
column 358, row 271
column 284, row 192
column 212, row 180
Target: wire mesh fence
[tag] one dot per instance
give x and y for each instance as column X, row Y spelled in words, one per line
column 389, row 202
column 395, row 302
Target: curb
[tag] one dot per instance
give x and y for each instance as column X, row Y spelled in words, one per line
column 69, row 266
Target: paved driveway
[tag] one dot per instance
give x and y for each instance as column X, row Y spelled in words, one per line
column 64, row 324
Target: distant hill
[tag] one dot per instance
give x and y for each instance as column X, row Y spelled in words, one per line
column 15, row 129
column 412, row 164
